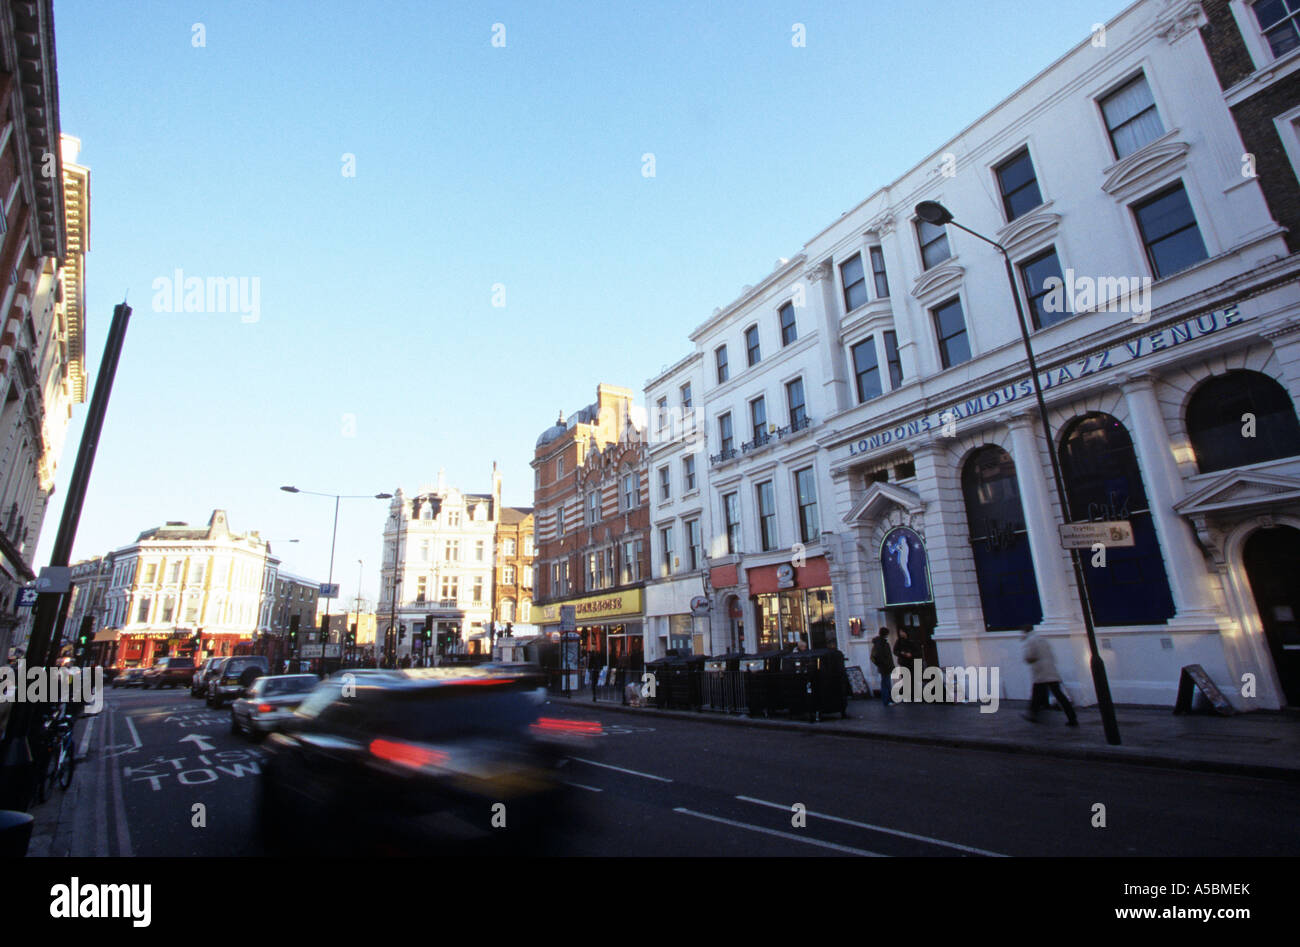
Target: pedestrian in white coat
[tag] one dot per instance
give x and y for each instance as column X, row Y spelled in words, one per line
column 1042, row 669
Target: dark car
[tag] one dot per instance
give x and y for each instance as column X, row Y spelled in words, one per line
column 169, row 672
column 414, row 761
column 269, row 702
column 131, row 677
column 199, row 685
column 234, row 676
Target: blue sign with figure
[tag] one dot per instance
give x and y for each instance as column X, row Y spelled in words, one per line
column 27, row 596
column 905, row 568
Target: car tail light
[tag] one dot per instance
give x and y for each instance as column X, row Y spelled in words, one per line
column 410, row 755
column 558, row 725
column 264, row 708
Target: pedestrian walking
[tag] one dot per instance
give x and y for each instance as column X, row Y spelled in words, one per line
column 1042, row 669
column 883, row 659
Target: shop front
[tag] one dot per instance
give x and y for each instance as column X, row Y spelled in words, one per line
column 610, row 628
column 793, row 605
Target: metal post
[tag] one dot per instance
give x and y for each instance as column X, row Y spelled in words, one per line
column 51, row 608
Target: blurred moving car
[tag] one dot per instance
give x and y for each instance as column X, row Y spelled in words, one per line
column 234, row 676
column 405, row 762
column 269, row 702
column 199, row 683
column 131, row 677
column 169, row 672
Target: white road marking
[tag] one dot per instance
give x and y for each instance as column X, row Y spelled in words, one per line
column 85, row 738
column 787, row 835
column 631, row 772
column 876, row 828
column 581, row 786
column 135, row 734
column 119, row 804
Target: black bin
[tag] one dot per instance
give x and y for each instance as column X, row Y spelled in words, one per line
column 761, row 679
column 815, row 683
column 685, row 682
column 714, row 695
column 659, row 668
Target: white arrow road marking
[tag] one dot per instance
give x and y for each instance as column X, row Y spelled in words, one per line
column 200, row 742
column 876, row 828
column 631, row 772
column 789, row 835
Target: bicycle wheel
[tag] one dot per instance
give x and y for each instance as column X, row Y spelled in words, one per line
column 49, row 776
column 67, row 763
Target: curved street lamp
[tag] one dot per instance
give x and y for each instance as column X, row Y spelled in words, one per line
column 932, row 212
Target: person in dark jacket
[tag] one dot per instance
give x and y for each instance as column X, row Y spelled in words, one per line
column 883, row 659
column 906, row 650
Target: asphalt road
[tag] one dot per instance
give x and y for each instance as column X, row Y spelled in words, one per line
column 169, row 779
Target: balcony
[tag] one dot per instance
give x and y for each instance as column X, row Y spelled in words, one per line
column 763, row 441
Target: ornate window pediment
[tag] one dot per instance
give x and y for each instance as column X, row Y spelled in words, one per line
column 1028, row 232
column 1239, row 490
column 943, row 280
column 877, row 501
column 1146, row 167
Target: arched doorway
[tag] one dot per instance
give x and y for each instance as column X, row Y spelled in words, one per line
column 1272, row 560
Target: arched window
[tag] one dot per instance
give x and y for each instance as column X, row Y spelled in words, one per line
column 508, row 610
column 1004, row 566
column 1241, row 418
column 1103, row 482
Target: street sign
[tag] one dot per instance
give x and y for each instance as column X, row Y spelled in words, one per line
column 310, row 651
column 1087, row 535
column 699, row 606
column 329, row 591
column 334, row 650
column 568, row 618
column 54, row 579
column 27, row 596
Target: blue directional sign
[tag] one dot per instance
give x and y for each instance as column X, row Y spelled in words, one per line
column 27, row 596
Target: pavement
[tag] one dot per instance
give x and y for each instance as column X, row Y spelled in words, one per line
column 1262, row 744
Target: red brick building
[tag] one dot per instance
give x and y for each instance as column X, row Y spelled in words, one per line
column 592, row 528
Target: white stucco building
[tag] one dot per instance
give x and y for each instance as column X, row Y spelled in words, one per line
column 913, row 488
column 438, row 566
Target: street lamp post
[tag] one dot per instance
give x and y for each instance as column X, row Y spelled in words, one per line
column 333, row 541
column 933, row 212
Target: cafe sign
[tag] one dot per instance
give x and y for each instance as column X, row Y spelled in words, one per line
column 1093, row 363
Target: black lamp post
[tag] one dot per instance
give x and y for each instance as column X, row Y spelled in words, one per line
column 932, row 212
column 333, row 540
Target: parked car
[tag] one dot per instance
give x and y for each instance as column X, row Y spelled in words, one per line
column 234, row 676
column 269, row 702
column 131, row 677
column 169, row 672
column 402, row 762
column 199, row 684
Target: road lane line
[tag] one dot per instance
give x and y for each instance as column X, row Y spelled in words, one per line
column 119, row 804
column 790, row 835
column 581, row 786
column 135, row 734
column 85, row 738
column 101, row 792
column 631, row 772
column 876, row 828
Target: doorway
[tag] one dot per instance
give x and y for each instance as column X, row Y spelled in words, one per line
column 1272, row 560
column 920, row 621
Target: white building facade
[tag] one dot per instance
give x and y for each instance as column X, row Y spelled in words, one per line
column 439, row 548
column 917, row 488
column 676, row 606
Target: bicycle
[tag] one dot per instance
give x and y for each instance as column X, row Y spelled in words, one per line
column 60, row 754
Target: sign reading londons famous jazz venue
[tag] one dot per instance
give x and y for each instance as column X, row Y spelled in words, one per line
column 1099, row 360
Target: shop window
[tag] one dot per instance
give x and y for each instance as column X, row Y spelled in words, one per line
column 1103, row 482
column 1004, row 568
column 1241, row 418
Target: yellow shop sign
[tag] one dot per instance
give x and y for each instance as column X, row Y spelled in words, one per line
column 596, row 608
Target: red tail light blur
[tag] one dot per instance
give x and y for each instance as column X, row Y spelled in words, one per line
column 264, row 708
column 574, row 727
column 407, row 754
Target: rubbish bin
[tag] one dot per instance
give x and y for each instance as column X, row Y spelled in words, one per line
column 15, row 833
column 715, row 684
column 815, row 683
column 761, row 679
column 659, row 668
column 686, row 682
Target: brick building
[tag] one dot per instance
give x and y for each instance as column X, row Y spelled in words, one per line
column 513, row 582
column 592, row 528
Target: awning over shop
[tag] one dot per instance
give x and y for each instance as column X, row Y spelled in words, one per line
column 107, row 635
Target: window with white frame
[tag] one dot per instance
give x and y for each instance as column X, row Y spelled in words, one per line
column 593, row 507
column 665, row 483
column 666, row 545
column 478, row 590
column 508, row 548
column 688, row 473
column 1132, row 119
column 450, row 589
column 1279, row 21
column 631, row 490
column 508, row 575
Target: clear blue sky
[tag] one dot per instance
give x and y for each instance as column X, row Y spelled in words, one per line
column 475, row 165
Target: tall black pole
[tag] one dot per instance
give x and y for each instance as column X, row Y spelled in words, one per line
column 1100, row 682
column 51, row 607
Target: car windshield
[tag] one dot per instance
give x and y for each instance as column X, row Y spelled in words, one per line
column 298, row 684
column 444, row 713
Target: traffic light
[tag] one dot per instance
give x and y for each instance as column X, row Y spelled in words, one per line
column 428, row 630
column 293, row 631
column 352, row 635
column 84, row 637
column 324, row 628
column 401, row 632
